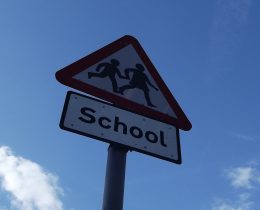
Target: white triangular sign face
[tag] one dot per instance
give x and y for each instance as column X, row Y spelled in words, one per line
column 122, row 74
column 139, row 87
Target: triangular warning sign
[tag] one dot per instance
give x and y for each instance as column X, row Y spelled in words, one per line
column 122, row 74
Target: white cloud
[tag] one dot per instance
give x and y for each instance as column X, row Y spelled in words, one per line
column 243, row 203
column 243, row 177
column 29, row 186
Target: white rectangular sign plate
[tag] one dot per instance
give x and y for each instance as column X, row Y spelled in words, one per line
column 103, row 121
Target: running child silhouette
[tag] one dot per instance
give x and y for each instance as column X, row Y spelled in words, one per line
column 139, row 80
column 110, row 70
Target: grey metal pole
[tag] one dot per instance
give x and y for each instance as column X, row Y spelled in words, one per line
column 113, row 197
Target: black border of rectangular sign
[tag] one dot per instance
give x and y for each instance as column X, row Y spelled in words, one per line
column 64, row 111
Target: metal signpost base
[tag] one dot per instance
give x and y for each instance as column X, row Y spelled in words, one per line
column 115, row 178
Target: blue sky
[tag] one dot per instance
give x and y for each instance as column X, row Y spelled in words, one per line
column 207, row 52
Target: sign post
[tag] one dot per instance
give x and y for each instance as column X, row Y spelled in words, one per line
column 136, row 112
column 113, row 197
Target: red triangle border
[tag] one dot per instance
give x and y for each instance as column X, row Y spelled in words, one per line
column 65, row 76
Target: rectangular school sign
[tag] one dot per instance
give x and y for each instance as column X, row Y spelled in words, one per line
column 103, row 121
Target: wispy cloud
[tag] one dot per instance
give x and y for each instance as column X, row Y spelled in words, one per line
column 229, row 20
column 247, row 177
column 243, row 136
column 243, row 203
column 233, row 10
column 29, row 185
